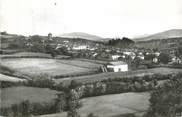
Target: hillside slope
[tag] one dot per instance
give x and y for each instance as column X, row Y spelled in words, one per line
column 82, row 36
column 173, row 33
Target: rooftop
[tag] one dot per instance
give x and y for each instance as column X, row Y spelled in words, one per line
column 117, row 63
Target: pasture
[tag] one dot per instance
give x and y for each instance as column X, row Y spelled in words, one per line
column 15, row 95
column 112, row 105
column 52, row 67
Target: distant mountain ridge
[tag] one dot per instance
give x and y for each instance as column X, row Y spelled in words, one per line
column 173, row 33
column 82, row 36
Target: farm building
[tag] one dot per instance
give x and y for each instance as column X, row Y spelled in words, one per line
column 117, row 66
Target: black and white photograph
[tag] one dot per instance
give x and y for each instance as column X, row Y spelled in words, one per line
column 90, row 58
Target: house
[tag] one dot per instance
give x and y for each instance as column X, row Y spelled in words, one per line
column 141, row 57
column 81, row 47
column 157, row 54
column 95, row 54
column 117, row 66
column 155, row 60
column 176, row 60
column 115, row 57
column 107, row 50
column 128, row 53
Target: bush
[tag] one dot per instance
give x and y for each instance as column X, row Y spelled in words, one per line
column 42, row 81
column 5, row 84
column 26, row 109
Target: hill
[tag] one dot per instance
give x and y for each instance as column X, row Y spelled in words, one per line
column 160, row 44
column 173, row 33
column 82, row 36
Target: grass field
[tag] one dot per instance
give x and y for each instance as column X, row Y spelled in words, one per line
column 112, row 105
column 102, row 76
column 53, row 67
column 15, row 95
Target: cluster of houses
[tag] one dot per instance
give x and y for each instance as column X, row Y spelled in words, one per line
column 118, row 57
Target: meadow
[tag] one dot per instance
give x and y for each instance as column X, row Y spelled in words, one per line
column 112, row 105
column 51, row 67
column 15, row 95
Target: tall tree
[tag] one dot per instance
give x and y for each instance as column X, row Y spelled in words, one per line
column 164, row 58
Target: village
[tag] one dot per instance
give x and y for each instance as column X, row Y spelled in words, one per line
column 82, row 70
column 119, row 59
column 90, row 58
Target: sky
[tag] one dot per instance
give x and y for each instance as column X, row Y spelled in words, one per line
column 105, row 18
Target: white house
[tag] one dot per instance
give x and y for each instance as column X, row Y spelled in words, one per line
column 157, row 54
column 155, row 60
column 128, row 53
column 81, row 47
column 141, row 57
column 176, row 60
column 115, row 57
column 117, row 66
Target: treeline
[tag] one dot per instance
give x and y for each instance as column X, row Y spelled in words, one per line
column 123, row 43
column 118, row 85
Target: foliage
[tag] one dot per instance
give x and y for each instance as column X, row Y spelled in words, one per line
column 149, row 57
column 166, row 101
column 136, row 63
column 164, row 58
column 72, row 99
column 26, row 109
column 42, row 81
column 5, row 84
column 123, row 43
column 178, row 52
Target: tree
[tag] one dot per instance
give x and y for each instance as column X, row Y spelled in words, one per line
column 178, row 52
column 4, row 33
column 136, row 62
column 166, row 101
column 60, row 102
column 164, row 58
column 37, row 43
column 149, row 57
column 50, row 50
column 73, row 103
column 21, row 110
column 69, row 100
